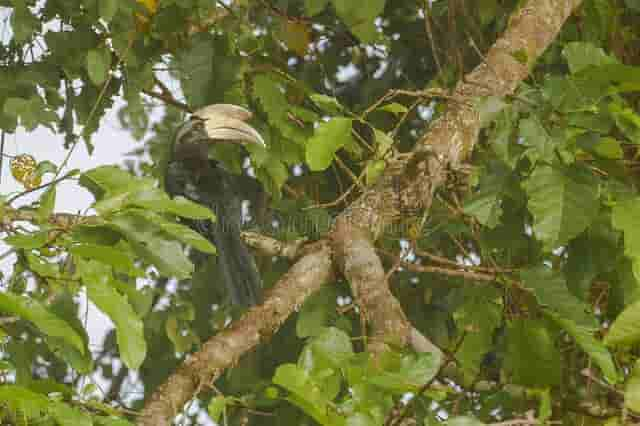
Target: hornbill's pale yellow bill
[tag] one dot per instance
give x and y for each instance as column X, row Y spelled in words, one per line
column 225, row 122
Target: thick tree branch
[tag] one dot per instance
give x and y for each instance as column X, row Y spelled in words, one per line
column 225, row 348
column 272, row 247
column 410, row 183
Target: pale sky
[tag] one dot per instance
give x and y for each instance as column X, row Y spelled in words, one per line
column 111, row 144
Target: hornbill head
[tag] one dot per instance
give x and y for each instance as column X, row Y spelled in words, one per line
column 216, row 123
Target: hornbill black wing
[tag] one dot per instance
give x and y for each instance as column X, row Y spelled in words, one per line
column 192, row 175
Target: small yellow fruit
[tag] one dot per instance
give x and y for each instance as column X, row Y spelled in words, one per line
column 32, row 180
column 23, row 169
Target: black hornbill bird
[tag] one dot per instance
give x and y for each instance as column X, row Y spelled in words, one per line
column 193, row 175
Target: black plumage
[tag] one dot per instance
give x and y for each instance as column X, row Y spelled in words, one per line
column 191, row 174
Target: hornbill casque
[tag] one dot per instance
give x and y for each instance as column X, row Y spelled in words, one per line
column 193, row 175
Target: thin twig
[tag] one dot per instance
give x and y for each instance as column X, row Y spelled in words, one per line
column 92, row 112
column 2, row 136
column 168, row 100
column 8, row 320
column 39, row 187
column 166, row 96
column 429, row 31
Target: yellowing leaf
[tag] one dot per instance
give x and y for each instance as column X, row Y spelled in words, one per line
column 151, row 5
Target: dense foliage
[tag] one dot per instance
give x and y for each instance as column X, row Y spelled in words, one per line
column 525, row 271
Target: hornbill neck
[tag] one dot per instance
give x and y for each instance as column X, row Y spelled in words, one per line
column 195, row 156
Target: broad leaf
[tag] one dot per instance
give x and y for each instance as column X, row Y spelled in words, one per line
column 563, row 203
column 360, row 17
column 328, row 138
column 129, row 328
column 532, row 359
column 625, row 331
column 626, row 217
column 551, row 290
column 592, row 347
column 46, row 321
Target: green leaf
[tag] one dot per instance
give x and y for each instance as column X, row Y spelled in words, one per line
column 28, row 241
column 277, row 172
column 328, row 138
column 188, row 236
column 329, row 104
column 551, row 290
column 360, row 419
column 604, row 147
column 360, row 17
column 111, row 180
column 318, row 312
column 478, row 317
column 151, row 243
column 531, row 357
column 489, row 109
column 625, row 217
column 98, row 65
column 210, row 69
column 23, row 23
column 45, row 167
column 47, row 203
column 485, row 203
column 66, row 309
column 67, row 415
column 107, row 9
column 632, row 389
column 140, row 299
column 625, row 331
column 627, row 120
column 502, row 137
column 120, row 259
column 412, row 373
column 129, row 328
column 306, row 394
column 333, row 344
column 216, row 407
column 157, row 200
column 112, row 187
column 20, row 400
column 32, row 112
column 177, row 231
column 394, row 108
column 180, row 334
column 592, row 347
column 535, row 136
column 313, row 7
column 46, row 321
column 111, row 421
column 582, row 55
column 563, row 203
column 183, row 207
column 271, row 93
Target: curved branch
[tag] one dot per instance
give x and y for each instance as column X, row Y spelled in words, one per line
column 408, row 185
column 225, row 348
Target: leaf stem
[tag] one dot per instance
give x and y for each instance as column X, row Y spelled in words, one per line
column 44, row 185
